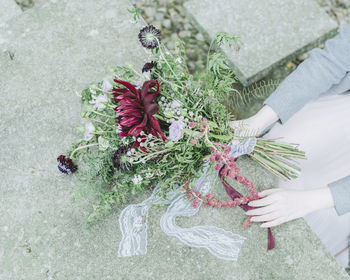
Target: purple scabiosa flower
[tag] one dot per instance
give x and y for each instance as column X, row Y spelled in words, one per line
column 65, row 165
column 175, row 130
column 117, row 159
column 148, row 66
column 148, row 37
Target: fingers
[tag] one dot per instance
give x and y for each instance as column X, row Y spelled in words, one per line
column 269, row 191
column 273, row 223
column 261, row 210
column 262, row 201
column 266, row 218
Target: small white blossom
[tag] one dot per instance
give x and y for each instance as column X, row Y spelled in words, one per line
column 175, row 104
column 103, row 143
column 118, row 129
column 149, row 136
column 137, row 179
column 93, row 92
column 191, row 114
column 132, row 150
column 142, row 133
column 128, row 153
column 106, row 85
column 178, row 60
column 145, row 77
column 98, row 102
column 89, row 128
column 151, row 144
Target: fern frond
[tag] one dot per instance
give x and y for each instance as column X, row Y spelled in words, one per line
column 258, row 90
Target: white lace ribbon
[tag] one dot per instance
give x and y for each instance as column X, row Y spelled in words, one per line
column 221, row 243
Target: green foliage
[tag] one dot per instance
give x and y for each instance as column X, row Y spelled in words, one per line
column 169, row 163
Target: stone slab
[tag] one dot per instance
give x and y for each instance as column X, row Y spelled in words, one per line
column 272, row 32
column 60, row 47
column 8, row 9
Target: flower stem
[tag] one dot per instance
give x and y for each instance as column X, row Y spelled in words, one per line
column 81, row 147
column 98, row 113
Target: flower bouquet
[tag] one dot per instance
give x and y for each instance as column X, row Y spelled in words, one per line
column 157, row 126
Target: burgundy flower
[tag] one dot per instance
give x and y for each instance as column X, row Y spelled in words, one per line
column 148, row 66
column 118, row 162
column 136, row 110
column 65, row 165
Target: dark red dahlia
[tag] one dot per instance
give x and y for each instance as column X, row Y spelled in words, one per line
column 136, row 110
column 65, row 165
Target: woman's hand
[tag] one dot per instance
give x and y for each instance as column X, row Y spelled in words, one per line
column 256, row 124
column 277, row 206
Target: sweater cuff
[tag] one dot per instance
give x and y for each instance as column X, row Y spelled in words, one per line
column 281, row 105
column 340, row 190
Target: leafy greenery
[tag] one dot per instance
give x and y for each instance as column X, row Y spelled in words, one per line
column 184, row 97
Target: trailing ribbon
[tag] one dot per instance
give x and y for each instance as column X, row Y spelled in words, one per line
column 246, row 147
column 219, row 242
column 133, row 224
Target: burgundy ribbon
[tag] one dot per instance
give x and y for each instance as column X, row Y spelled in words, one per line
column 235, row 194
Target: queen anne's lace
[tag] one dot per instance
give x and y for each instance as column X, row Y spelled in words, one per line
column 221, row 243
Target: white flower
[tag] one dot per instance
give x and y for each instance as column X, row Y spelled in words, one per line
column 175, row 104
column 103, row 143
column 145, row 77
column 93, row 92
column 106, row 86
column 175, row 130
column 98, row 102
column 89, row 127
column 118, row 129
column 137, row 179
column 178, row 60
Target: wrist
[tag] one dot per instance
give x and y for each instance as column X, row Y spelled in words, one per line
column 320, row 198
column 266, row 116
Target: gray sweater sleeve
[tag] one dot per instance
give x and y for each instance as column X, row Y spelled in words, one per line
column 313, row 77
